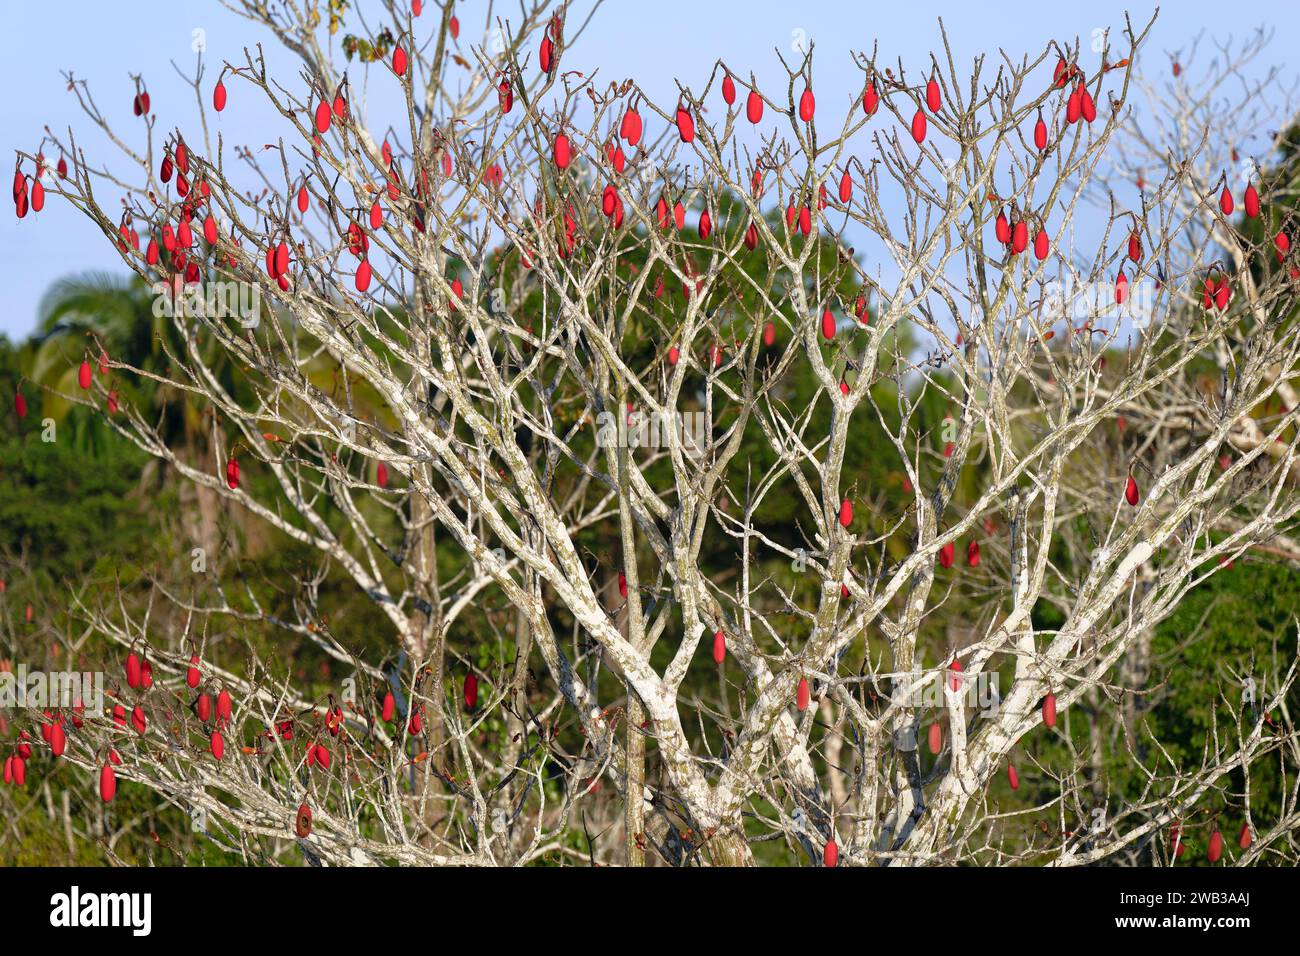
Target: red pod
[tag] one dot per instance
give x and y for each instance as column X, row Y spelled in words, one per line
column 453, row 27
column 399, row 60
column 932, row 95
column 471, row 690
column 340, row 106
column 210, row 230
column 546, row 55
column 223, row 706
column 754, row 107
column 685, row 125
column 846, row 187
column 674, row 354
column 1121, row 288
column 1049, row 710
column 1222, row 294
column 1131, row 491
column 1283, row 243
column 132, row 670
column 751, row 237
column 918, row 126
column 151, row 252
column 281, row 259
column 769, row 333
column 1040, row 133
column 1002, row 228
column 706, row 224
column 1243, row 839
column 728, row 89
column 1074, row 105
column 622, row 582
column 870, row 99
column 719, row 647
column 323, row 756
column 1020, row 237
column 138, row 720
column 192, row 675
column 805, row 220
column 107, row 783
column 146, row 669
column 1087, row 108
column 936, row 738
column 561, row 152
column 1225, row 201
column 946, row 554
column 322, row 117
column 973, row 554
column 203, row 707
column 363, row 275
column 828, row 325
column 219, row 96
column 389, row 708
column 801, row 695
column 38, row 195
column 1215, row 849
column 807, row 105
column 376, row 215
column 381, row 475
column 20, row 771
column 58, row 739
column 217, row 744
column 506, row 96
column 232, row 474
column 20, row 405
column 1252, row 201
column 304, row 200
column 1013, row 778
column 831, row 854
column 1135, row 247
column 1042, row 244
column 846, row 513
column 630, row 128
column 302, row 822
column 83, row 375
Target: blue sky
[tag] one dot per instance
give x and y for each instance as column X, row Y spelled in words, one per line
column 104, row 42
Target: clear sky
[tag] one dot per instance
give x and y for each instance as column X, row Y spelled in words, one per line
column 104, row 42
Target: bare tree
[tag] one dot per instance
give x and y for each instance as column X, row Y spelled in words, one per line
column 520, row 372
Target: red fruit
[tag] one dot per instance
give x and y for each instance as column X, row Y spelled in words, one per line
column 138, row 719
column 203, row 707
column 381, row 475
column 801, row 694
column 223, row 706
column 83, row 375
column 546, row 55
column 1074, row 106
column 1225, row 201
column 973, row 554
column 453, row 27
column 219, row 96
column 20, row 404
column 1282, row 242
column 399, row 61
column 322, row 117
column 728, row 89
column 706, row 224
column 1215, row 849
column 389, row 708
column 1042, row 245
column 805, row 220
column 946, row 554
column 673, row 354
column 376, row 215
column 1131, row 491
column 679, row 216
column 561, row 152
column 622, row 584
column 506, row 96
column 1222, row 294
column 457, row 293
column 1243, row 840
column 751, row 237
column 471, row 691
column 1121, row 288
column 322, row 756
column 146, row 669
column 210, row 230
column 1049, row 710
column 870, row 99
column 846, row 187
column 1012, row 777
column 831, row 855
column 9, row 769
column 107, row 784
column 846, row 513
column 20, row 771
column 807, row 105
column 232, row 473
column 1019, row 237
column 918, row 127
column 932, row 95
column 685, row 124
column 302, row 822
column 281, row 259
column 58, row 740
column 1040, row 133
column 754, row 107
column 363, row 275
column 133, row 670
column 1135, row 247
column 719, row 647
column 192, row 675
column 630, row 128
column 936, row 738
column 1087, row 108
column 182, row 157
column 828, row 325
column 1252, row 201
column 119, row 715
column 38, row 196
column 769, row 333
column 1002, row 228
column 217, row 744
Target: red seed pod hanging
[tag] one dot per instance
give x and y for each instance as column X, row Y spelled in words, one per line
column 802, row 694
column 728, row 89
column 932, row 99
column 918, row 126
column 719, row 647
column 1131, row 494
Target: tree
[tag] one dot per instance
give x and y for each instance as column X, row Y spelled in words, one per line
column 652, row 478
